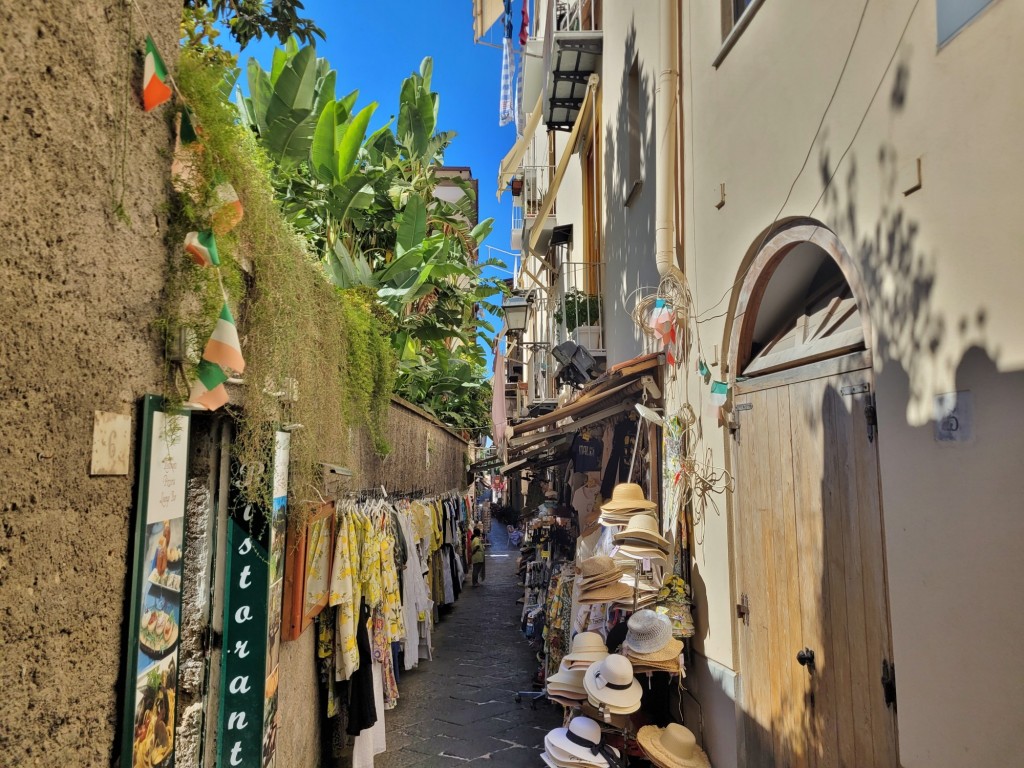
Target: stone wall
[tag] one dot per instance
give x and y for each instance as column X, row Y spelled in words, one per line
column 82, row 265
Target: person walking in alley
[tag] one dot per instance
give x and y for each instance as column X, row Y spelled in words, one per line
column 478, row 557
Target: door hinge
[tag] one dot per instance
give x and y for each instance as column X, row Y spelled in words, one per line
column 871, row 417
column 889, row 683
column 743, row 609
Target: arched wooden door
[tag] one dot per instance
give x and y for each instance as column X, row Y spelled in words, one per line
column 813, row 617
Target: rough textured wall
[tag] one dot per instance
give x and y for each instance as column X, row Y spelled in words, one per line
column 424, row 456
column 79, row 289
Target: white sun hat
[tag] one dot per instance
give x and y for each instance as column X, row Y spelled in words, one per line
column 610, row 681
column 582, row 743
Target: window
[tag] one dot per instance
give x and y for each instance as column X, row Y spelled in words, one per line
column 736, row 16
column 634, row 160
column 953, row 15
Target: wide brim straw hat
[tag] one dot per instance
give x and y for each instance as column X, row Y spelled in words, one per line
column 558, row 745
column 614, row 591
column 669, row 652
column 598, row 565
column 560, row 757
column 610, row 681
column 642, row 528
column 587, row 646
column 627, row 496
column 672, row 747
column 648, row 632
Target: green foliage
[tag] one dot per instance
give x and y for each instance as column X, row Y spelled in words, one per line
column 368, row 208
column 577, row 308
column 250, row 20
column 298, row 331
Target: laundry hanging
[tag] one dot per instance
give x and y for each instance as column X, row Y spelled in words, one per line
column 506, row 105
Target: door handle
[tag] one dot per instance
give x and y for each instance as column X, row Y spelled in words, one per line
column 805, row 658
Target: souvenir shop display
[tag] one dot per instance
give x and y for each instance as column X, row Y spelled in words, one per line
column 649, row 644
column 566, row 686
column 674, row 746
column 395, row 562
column 581, row 743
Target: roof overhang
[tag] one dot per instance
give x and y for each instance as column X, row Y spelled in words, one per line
column 485, row 13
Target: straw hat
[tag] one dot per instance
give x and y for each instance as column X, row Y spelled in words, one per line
column 581, row 743
column 643, row 530
column 598, row 565
column 627, row 496
column 648, row 632
column 614, row 591
column 672, row 747
column 587, row 647
column 610, row 681
column 669, row 652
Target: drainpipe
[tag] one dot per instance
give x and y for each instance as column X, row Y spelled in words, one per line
column 665, row 133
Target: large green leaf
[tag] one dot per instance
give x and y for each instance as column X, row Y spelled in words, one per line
column 346, row 104
column 346, row 270
column 322, row 154
column 290, row 119
column 482, row 230
column 413, row 226
column 352, row 139
column 351, row 193
column 261, row 91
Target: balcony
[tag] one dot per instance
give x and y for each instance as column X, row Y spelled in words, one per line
column 574, row 54
column 536, row 182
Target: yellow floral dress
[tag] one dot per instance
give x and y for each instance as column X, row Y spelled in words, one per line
column 394, row 623
column 346, row 592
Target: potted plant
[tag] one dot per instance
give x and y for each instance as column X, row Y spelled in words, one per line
column 517, row 187
column 580, row 312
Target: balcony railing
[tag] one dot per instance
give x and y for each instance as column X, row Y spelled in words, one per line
column 536, row 182
column 578, row 16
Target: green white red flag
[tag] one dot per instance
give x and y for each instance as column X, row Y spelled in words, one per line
column 155, row 90
column 223, row 348
column 202, row 247
column 209, row 391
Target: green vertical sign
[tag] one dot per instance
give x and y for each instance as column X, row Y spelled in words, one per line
column 248, row 705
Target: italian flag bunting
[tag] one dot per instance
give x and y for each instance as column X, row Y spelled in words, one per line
column 155, row 90
column 209, row 391
column 202, row 247
column 223, row 348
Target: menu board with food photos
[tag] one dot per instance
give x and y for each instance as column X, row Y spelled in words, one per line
column 155, row 619
column 252, row 614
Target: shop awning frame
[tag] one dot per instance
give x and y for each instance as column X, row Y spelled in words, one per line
column 583, row 120
column 485, row 14
column 512, row 161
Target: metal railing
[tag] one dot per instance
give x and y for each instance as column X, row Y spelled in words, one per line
column 578, row 15
column 536, row 182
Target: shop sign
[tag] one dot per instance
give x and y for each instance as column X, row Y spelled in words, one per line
column 155, row 618
column 252, row 619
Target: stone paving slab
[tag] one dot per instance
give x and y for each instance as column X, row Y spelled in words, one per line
column 460, row 707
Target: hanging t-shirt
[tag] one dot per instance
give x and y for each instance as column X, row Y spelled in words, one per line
column 586, row 453
column 623, row 445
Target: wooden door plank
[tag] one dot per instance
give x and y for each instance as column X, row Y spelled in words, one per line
column 849, row 646
column 809, row 459
column 754, row 750
column 792, row 680
column 878, row 642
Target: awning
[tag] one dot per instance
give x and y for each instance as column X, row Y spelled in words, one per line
column 511, row 162
column 485, row 13
column 579, row 129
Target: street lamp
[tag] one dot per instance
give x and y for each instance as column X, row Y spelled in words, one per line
column 517, row 309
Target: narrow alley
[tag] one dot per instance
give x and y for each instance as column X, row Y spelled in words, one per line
column 460, row 707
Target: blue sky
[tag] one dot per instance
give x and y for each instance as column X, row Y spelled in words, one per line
column 375, row 45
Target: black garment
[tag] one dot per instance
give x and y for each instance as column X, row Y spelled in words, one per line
column 333, row 695
column 362, row 710
column 655, row 701
column 478, row 570
column 586, row 453
column 623, row 445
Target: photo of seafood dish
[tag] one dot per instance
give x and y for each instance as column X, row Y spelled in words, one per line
column 153, row 740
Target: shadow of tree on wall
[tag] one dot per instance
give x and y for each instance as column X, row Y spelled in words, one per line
column 629, row 218
column 920, row 346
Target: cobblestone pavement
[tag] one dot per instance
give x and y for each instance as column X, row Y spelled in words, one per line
column 460, row 707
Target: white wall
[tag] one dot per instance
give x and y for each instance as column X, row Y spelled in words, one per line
column 942, row 268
